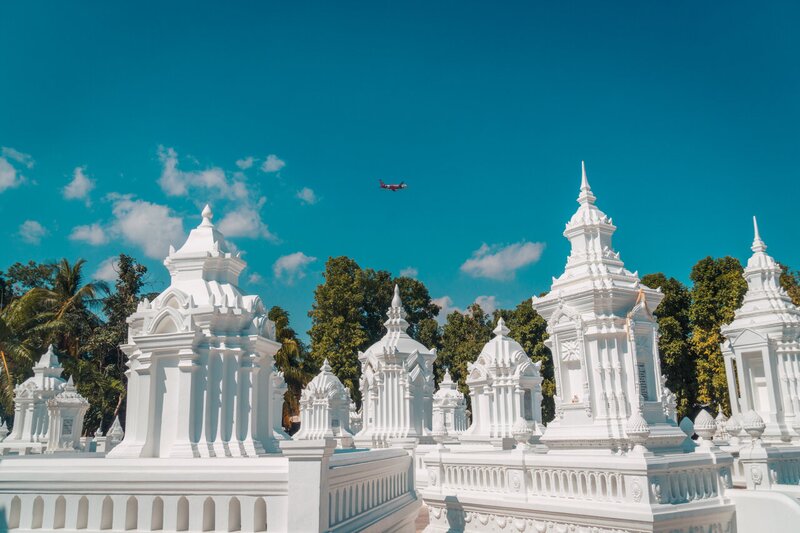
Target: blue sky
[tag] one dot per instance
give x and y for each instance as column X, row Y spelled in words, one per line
column 686, row 113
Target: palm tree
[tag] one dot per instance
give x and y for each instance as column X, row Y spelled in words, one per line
column 65, row 308
column 17, row 348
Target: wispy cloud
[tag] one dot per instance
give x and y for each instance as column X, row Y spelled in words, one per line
column 502, row 262
column 292, row 267
column 255, row 279
column 245, row 162
column 151, row 227
column 32, row 232
column 272, row 164
column 79, row 187
column 409, row 272
column 307, row 196
column 245, row 221
column 19, row 157
column 93, row 234
column 107, row 271
column 488, row 305
column 213, row 180
column 10, row 176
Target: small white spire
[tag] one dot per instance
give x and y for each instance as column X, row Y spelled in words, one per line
column 396, row 301
column 326, row 367
column 758, row 244
column 207, row 216
column 501, row 330
column 585, row 197
column 446, row 379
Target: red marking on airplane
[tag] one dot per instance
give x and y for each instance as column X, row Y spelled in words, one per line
column 394, row 187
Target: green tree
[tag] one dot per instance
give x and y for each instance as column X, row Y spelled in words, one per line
column 677, row 357
column 337, row 332
column 790, row 281
column 101, row 368
column 293, row 360
column 463, row 337
column 717, row 291
column 530, row 330
column 349, row 311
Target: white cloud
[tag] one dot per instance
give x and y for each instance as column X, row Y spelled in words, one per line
column 255, row 279
column 502, row 262
column 487, row 303
column 307, row 196
column 272, row 164
column 9, row 177
column 246, row 222
column 107, row 271
column 152, row 227
column 19, row 157
column 290, row 268
column 446, row 304
column 79, row 187
column 409, row 272
column 176, row 182
column 245, row 162
column 32, row 232
column 93, row 234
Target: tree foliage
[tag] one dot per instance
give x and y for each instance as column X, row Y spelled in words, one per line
column 677, row 356
column 293, row 360
column 463, row 337
column 349, row 311
column 717, row 291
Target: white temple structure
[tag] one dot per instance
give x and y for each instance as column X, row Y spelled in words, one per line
column 762, row 349
column 504, row 386
column 396, row 384
column 66, row 411
column 449, row 407
column 48, row 412
column 614, row 460
column 325, row 409
column 202, row 448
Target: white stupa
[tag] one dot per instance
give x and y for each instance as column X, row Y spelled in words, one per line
column 504, row 386
column 396, row 384
column 325, row 409
column 762, row 349
column 66, row 411
column 449, row 407
column 604, row 341
column 32, row 424
column 200, row 378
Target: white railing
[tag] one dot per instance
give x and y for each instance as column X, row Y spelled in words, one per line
column 359, row 488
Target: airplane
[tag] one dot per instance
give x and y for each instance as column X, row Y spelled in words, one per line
column 394, row 187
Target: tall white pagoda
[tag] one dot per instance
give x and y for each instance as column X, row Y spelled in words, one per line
column 396, row 384
column 200, row 357
column 504, row 386
column 762, row 349
column 604, row 341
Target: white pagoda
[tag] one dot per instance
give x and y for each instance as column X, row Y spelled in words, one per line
column 200, row 357
column 449, row 407
column 613, row 459
column 396, row 384
column 66, row 411
column 504, row 386
column 762, row 349
column 325, row 409
column 32, row 413
column 604, row 341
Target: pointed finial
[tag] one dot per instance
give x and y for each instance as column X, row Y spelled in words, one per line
column 585, row 197
column 396, row 301
column 326, row 367
column 207, row 215
column 447, row 378
column 758, row 244
column 501, row 330
column 70, row 383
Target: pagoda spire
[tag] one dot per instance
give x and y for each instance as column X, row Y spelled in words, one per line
column 585, row 197
column 396, row 322
column 758, row 245
column 207, row 215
